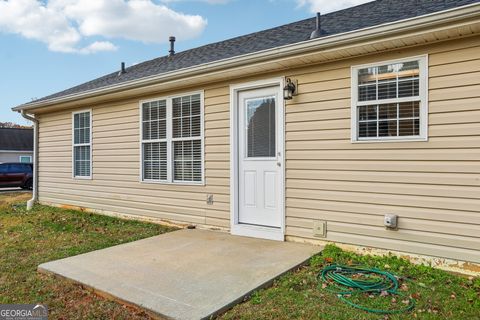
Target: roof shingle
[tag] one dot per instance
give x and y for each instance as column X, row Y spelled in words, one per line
column 16, row 139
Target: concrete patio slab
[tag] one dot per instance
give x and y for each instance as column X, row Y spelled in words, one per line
column 186, row 274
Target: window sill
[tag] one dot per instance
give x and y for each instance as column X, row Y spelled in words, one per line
column 82, row 178
column 386, row 140
column 199, row 184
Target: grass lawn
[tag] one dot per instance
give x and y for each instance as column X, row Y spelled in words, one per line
column 28, row 239
column 298, row 295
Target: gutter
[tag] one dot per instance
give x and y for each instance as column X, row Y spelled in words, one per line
column 32, row 201
column 318, row 44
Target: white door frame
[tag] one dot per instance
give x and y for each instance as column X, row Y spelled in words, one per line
column 244, row 229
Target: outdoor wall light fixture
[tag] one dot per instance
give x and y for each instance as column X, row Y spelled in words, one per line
column 290, row 89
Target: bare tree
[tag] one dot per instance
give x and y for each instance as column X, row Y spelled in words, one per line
column 13, row 125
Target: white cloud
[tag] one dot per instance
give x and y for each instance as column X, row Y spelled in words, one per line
column 140, row 20
column 215, row 1
column 32, row 20
column 98, row 46
column 325, row 6
column 65, row 24
column 206, row 1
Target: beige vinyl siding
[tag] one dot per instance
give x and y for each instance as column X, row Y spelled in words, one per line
column 433, row 186
column 115, row 184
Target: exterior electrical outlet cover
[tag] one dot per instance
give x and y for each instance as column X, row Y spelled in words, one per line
column 209, row 199
column 320, row 229
column 391, row 221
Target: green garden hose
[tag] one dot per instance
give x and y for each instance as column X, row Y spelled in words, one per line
column 346, row 281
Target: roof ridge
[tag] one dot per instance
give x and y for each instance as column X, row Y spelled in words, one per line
column 222, row 41
column 255, row 32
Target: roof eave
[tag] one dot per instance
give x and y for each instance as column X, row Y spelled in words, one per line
column 359, row 35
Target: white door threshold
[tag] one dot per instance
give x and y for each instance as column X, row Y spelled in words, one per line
column 248, row 230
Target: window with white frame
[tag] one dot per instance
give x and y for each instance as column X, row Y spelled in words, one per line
column 389, row 100
column 172, row 139
column 82, row 144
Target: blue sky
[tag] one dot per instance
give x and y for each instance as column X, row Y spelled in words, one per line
column 50, row 45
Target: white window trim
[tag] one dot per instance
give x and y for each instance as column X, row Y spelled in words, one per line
column 20, row 158
column 423, row 94
column 169, row 139
column 82, row 144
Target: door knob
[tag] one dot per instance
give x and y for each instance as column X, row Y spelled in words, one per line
column 279, row 164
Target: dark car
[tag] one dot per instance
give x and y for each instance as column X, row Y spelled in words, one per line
column 16, row 175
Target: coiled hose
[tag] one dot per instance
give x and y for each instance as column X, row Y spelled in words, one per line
column 346, row 281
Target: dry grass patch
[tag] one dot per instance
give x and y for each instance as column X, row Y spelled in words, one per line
column 29, row 238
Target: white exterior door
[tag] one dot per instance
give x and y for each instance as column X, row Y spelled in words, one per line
column 260, row 152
